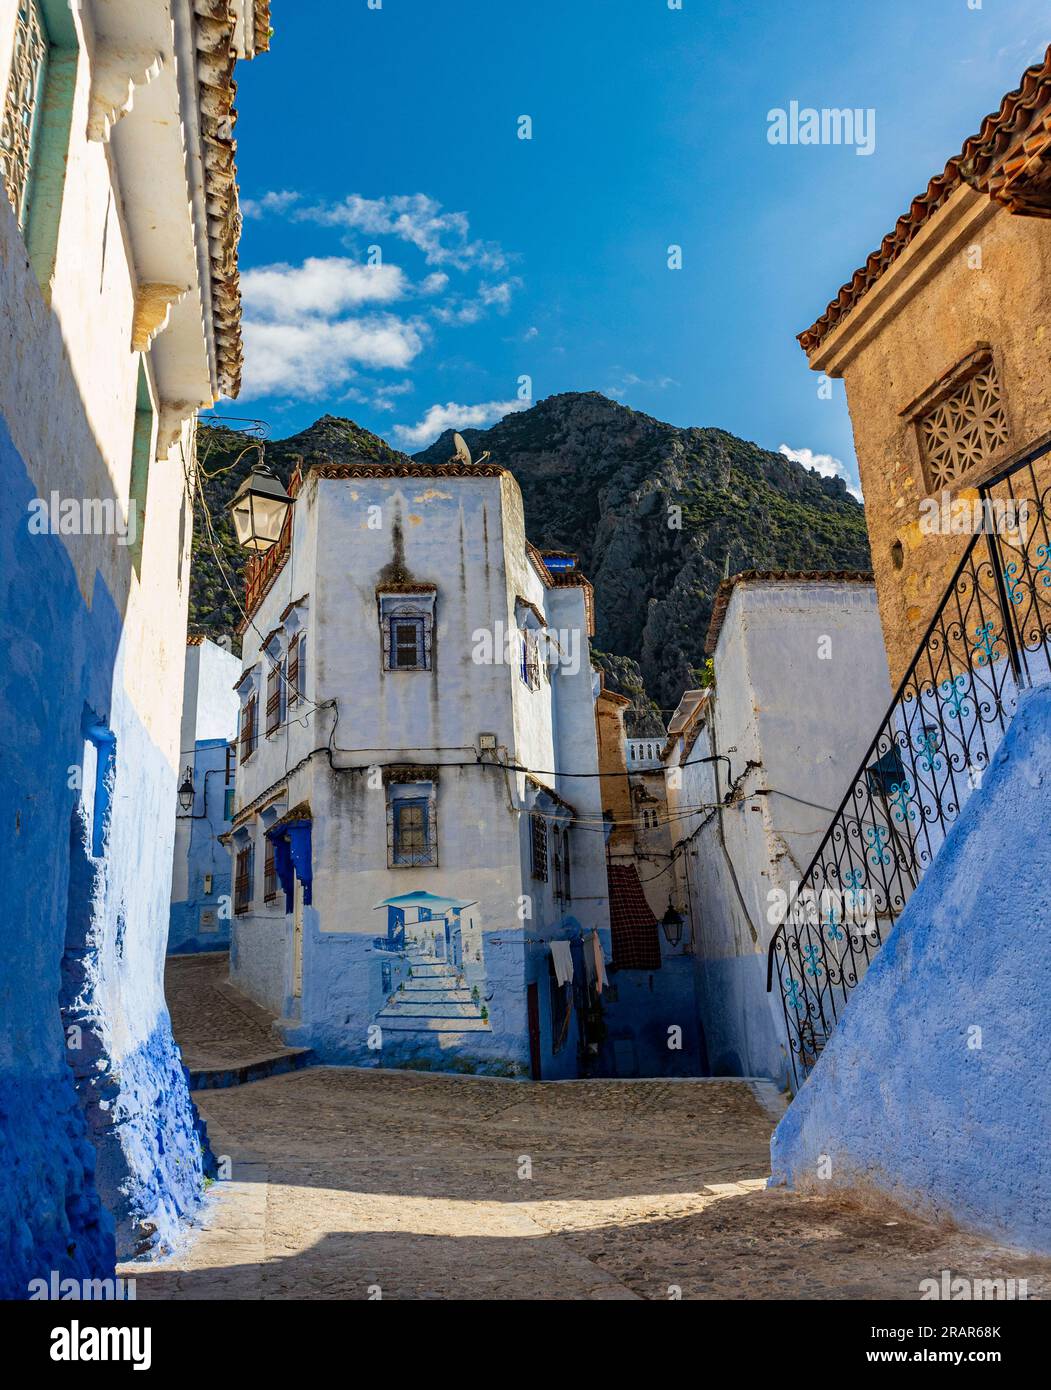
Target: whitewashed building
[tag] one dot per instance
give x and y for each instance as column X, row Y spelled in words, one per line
column 119, row 317
column 419, row 816
column 800, row 683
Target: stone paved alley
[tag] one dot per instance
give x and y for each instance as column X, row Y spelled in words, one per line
column 345, row 1181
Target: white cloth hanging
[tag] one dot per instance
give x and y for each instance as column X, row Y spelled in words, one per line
column 562, row 958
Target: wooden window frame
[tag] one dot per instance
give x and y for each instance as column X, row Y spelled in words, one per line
column 243, row 875
column 269, row 871
column 249, row 727
column 274, row 702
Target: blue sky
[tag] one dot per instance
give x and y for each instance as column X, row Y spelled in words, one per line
column 398, row 127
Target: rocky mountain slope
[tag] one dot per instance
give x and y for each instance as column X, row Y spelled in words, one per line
column 658, row 515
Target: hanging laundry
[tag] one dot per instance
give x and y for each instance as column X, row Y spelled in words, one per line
column 562, row 958
column 595, row 963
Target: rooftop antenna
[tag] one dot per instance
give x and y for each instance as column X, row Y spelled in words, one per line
column 462, row 452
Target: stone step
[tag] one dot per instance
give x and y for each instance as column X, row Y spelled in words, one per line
column 203, row 1077
column 395, row 1023
column 422, row 994
column 438, row 1009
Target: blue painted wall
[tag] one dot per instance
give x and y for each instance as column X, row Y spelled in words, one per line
column 902, row 1100
column 115, row 1078
column 205, row 855
column 340, row 1002
column 738, row 1022
column 647, row 1004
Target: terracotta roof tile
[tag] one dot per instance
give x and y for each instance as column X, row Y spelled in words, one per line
column 726, row 588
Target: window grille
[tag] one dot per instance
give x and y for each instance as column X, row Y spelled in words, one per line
column 407, row 637
column 295, row 688
column 412, row 831
column 538, row 838
column 530, row 670
column 563, row 889
column 243, row 879
column 269, row 872
column 273, row 699
column 964, row 431
column 406, row 644
column 23, row 102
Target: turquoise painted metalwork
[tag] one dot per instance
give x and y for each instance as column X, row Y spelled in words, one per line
column 1043, row 554
column 833, row 929
column 900, row 793
column 876, row 834
column 813, row 960
column 1015, row 592
column 984, row 648
column 954, row 704
column 927, row 748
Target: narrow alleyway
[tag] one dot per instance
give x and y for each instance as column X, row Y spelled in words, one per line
column 350, row 1183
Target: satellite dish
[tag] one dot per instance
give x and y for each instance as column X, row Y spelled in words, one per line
column 462, row 454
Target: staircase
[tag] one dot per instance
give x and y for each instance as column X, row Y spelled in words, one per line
column 989, row 639
column 432, row 1000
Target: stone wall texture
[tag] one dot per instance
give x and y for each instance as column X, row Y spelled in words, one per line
column 975, row 274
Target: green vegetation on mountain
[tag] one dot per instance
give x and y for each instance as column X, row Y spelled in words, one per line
column 657, row 514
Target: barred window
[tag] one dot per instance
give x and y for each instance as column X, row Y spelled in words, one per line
column 249, row 727
column 295, row 670
column 406, row 644
column 274, row 701
column 964, row 430
column 407, row 630
column 563, row 887
column 243, row 879
column 412, row 827
column 23, row 102
column 538, row 843
column 269, row 872
column 530, row 669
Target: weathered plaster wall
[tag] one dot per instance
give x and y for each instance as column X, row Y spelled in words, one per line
column 83, row 935
column 923, row 317
column 909, row 1098
column 806, row 719
column 466, row 538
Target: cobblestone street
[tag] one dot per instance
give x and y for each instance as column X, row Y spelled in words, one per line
column 349, row 1184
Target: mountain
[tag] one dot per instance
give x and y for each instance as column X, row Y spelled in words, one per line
column 224, row 457
column 657, row 514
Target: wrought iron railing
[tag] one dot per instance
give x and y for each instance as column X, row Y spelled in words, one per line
column 989, row 638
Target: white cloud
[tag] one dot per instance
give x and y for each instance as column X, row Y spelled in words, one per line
column 321, row 285
column 464, row 311
column 823, row 464
column 269, row 202
column 444, row 238
column 312, row 355
column 457, row 417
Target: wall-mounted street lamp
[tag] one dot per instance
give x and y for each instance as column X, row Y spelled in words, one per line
column 672, row 923
column 186, row 791
column 259, row 508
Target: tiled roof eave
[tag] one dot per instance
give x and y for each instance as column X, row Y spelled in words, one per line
column 216, row 60
column 725, row 590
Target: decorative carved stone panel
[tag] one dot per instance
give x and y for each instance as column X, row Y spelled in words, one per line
column 22, row 101
column 963, row 431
